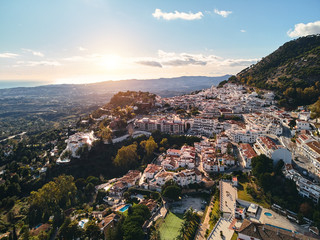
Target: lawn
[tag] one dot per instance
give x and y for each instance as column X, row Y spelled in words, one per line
column 242, row 194
column 170, row 226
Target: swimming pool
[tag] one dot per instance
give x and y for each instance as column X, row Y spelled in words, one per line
column 83, row 222
column 268, row 214
column 125, row 208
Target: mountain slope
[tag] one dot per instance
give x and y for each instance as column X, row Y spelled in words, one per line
column 292, row 71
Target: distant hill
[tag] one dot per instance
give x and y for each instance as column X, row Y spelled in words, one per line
column 162, row 86
column 35, row 109
column 292, row 71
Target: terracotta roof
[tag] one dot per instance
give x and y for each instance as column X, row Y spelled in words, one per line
column 268, row 142
column 150, row 203
column 315, row 146
column 247, row 150
column 267, row 232
column 107, row 220
column 152, row 168
column 43, row 228
column 165, row 174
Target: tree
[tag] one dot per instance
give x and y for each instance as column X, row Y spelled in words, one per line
column 305, row 209
column 149, row 145
column 52, row 195
column 292, row 123
column 127, row 156
column 92, row 230
column 132, row 226
column 105, row 133
column 70, row 230
column 89, row 189
column 25, row 172
column 261, row 164
column 315, row 109
column 173, row 192
column 155, row 235
column 164, row 142
column 66, row 154
column 83, row 151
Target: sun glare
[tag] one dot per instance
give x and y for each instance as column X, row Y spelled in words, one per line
column 110, row 62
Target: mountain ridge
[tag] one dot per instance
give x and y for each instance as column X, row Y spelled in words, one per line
column 179, row 85
column 292, row 71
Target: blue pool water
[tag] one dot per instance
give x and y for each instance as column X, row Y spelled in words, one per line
column 125, row 208
column 83, row 222
column 268, row 214
column 281, row 228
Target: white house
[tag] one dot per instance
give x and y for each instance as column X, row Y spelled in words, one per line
column 266, row 146
column 246, row 154
column 302, row 125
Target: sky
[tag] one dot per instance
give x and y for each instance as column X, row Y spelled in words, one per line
column 83, row 41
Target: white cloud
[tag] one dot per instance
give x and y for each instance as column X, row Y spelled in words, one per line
column 82, row 49
column 170, row 59
column 243, row 31
column 176, row 15
column 150, row 63
column 302, row 29
column 222, row 13
column 239, row 62
column 8, row 55
column 35, row 53
column 38, row 63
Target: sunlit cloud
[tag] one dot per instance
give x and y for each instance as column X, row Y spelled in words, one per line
column 34, row 53
column 82, row 49
column 222, row 13
column 239, row 62
column 302, row 29
column 95, row 67
column 171, row 59
column 176, row 15
column 243, row 31
column 150, row 63
column 8, row 55
column 37, row 63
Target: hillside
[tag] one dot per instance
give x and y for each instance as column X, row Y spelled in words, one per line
column 36, row 109
column 292, row 71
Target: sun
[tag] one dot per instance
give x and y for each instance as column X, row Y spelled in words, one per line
column 110, row 62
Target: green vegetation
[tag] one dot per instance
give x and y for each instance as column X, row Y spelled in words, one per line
column 234, row 236
column 143, row 100
column 170, row 226
column 315, row 109
column 220, row 85
column 189, row 226
column 54, row 195
column 215, row 213
column 132, row 226
column 291, row 71
column 149, row 147
column 171, row 190
column 248, row 191
column 127, row 157
column 275, row 188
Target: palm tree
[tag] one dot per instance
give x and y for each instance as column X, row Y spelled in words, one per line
column 155, row 235
column 188, row 216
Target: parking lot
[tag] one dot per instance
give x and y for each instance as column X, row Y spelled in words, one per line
column 197, row 203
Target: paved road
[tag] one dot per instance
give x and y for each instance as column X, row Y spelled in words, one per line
column 205, row 224
column 286, row 132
